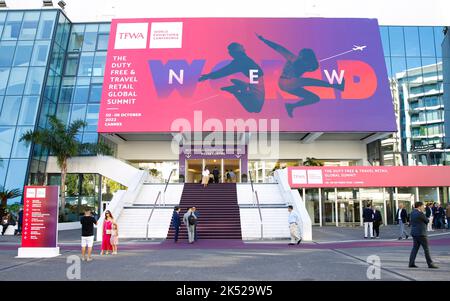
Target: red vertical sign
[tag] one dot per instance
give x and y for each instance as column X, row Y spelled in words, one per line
column 40, row 217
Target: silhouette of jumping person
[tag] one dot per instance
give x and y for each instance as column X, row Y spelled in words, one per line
column 291, row 80
column 250, row 95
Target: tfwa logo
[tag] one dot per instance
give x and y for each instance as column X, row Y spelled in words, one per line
column 131, row 36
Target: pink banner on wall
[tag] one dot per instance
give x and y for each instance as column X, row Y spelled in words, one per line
column 369, row 176
column 310, row 75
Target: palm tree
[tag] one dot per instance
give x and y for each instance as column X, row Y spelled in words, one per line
column 5, row 195
column 62, row 143
column 312, row 162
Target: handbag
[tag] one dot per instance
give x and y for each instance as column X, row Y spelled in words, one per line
column 108, row 231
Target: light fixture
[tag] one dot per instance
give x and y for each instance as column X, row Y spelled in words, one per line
column 47, row 3
column 3, row 3
column 62, row 4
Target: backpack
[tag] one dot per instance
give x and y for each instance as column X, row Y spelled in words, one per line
column 191, row 219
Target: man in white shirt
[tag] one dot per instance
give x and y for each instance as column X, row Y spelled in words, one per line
column 293, row 221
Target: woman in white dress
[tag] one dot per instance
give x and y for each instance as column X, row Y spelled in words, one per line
column 205, row 177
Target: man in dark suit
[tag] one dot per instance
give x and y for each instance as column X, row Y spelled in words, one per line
column 176, row 221
column 402, row 218
column 377, row 220
column 368, row 221
column 216, row 173
column 419, row 233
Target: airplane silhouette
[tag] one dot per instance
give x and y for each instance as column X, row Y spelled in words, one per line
column 360, row 48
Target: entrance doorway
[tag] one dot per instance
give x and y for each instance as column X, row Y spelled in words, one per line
column 194, row 168
column 194, row 171
column 232, row 167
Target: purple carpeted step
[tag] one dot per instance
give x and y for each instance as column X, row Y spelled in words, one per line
column 219, row 211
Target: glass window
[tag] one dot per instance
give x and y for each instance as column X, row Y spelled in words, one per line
column 67, row 88
column 76, row 38
column 90, row 40
column 6, row 139
column 104, row 28
column 78, row 112
column 46, row 23
column 21, row 149
column 398, row 65
column 4, row 74
column 28, row 110
column 7, row 53
column 102, row 42
column 30, row 25
column 4, row 167
column 63, row 112
column 10, row 110
column 92, row 117
column 387, row 61
column 384, row 32
column 2, row 25
column 99, row 64
column 396, row 41
column 86, row 60
column 427, row 41
column 12, row 26
column 438, row 38
column 412, row 41
column 81, row 94
column 413, row 62
column 23, row 54
column 40, row 53
column 90, row 137
column 16, row 82
column 35, row 81
column 16, row 175
column 96, row 93
column 71, row 64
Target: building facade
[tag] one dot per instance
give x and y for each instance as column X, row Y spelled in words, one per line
column 49, row 65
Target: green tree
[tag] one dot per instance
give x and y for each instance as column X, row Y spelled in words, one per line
column 61, row 141
column 312, row 162
column 5, row 195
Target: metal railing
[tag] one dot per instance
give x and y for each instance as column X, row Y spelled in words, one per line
column 154, row 205
column 259, row 206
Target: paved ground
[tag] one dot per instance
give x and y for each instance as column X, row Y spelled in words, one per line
column 336, row 254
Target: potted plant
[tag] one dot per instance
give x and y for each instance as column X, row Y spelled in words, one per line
column 5, row 195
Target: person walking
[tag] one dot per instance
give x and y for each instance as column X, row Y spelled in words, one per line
column 429, row 213
column 176, row 222
column 87, row 234
column 216, row 175
column 368, row 221
column 439, row 216
column 447, row 213
column 402, row 218
column 107, row 231
column 228, row 176
column 114, row 238
column 205, row 177
column 19, row 222
column 6, row 221
column 189, row 220
column 232, row 176
column 293, row 221
column 419, row 223
column 197, row 215
column 377, row 221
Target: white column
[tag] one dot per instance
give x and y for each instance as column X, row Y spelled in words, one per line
column 303, row 192
column 240, row 172
column 396, row 200
column 416, row 199
column 384, row 206
column 360, row 209
column 222, row 165
column 336, row 214
column 438, row 196
column 320, row 207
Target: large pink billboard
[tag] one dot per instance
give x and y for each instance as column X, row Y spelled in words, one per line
column 311, row 75
column 369, row 176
